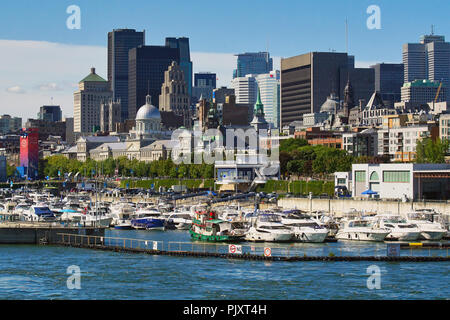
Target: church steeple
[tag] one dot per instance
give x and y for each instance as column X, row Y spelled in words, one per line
column 349, row 101
column 259, row 107
column 258, row 121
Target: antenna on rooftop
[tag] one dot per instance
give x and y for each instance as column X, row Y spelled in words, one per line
column 346, row 35
column 432, row 29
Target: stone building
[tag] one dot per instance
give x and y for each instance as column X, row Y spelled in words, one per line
column 174, row 93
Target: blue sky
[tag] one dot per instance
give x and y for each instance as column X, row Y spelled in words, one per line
column 285, row 27
column 288, row 26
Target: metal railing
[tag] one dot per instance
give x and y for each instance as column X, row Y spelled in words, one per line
column 350, row 249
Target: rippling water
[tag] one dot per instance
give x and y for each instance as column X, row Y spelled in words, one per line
column 39, row 272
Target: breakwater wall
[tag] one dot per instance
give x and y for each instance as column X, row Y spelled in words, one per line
column 12, row 233
column 339, row 206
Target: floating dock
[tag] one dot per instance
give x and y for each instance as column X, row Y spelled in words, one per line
column 98, row 243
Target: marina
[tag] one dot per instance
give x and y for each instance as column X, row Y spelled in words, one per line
column 199, row 234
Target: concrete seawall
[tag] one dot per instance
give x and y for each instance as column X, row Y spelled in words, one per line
column 339, row 206
column 18, row 234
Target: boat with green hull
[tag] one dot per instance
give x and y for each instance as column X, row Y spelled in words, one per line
column 206, row 227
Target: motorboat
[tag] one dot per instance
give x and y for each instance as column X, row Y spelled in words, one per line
column 182, row 221
column 124, row 224
column 399, row 228
column 268, row 228
column 148, row 219
column 361, row 230
column 305, row 229
column 93, row 219
column 121, row 213
column 39, row 212
column 429, row 230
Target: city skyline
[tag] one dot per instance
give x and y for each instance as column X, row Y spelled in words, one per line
column 46, row 62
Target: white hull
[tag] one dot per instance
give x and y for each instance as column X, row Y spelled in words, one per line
column 310, row 236
column 404, row 236
column 361, row 236
column 257, row 236
column 183, row 226
column 432, row 235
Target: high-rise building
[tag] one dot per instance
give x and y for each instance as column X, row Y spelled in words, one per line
column 204, row 84
column 389, row 81
column 147, row 65
column 110, row 114
column 50, row 113
column 174, row 95
column 429, row 59
column 92, row 90
column 205, row 79
column 246, row 91
column 185, row 58
column 269, row 87
column 307, row 80
column 120, row 41
column 253, row 63
column 9, row 124
column 220, row 94
column 70, row 136
column 47, row 128
column 421, row 92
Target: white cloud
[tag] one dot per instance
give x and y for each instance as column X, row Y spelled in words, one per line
column 52, row 86
column 16, row 90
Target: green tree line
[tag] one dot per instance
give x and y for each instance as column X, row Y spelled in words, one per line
column 125, row 167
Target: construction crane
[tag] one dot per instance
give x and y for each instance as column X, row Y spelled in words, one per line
column 438, row 91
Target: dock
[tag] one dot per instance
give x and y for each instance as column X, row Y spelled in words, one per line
column 224, row 251
column 41, row 233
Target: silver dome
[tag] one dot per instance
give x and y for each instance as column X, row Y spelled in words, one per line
column 147, row 111
column 331, row 105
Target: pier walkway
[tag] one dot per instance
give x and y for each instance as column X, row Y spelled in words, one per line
column 268, row 252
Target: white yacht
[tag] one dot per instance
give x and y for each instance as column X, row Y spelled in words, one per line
column 428, row 230
column 360, row 230
column 93, row 220
column 399, row 228
column 21, row 208
column 39, row 212
column 268, row 228
column 305, row 229
column 121, row 215
column 182, row 221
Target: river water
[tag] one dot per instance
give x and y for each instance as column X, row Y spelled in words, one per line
column 40, row 272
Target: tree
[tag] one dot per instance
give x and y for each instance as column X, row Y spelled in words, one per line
column 290, row 145
column 429, row 151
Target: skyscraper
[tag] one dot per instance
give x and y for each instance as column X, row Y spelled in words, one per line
column 246, row 91
column 204, row 84
column 307, row 80
column 388, row 81
column 147, row 65
column 50, row 113
column 269, row 88
column 185, row 58
column 205, row 79
column 174, row 96
column 253, row 63
column 120, row 41
column 92, row 91
column 427, row 60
